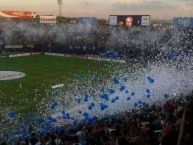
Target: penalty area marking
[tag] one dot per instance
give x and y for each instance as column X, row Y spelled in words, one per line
column 10, row 75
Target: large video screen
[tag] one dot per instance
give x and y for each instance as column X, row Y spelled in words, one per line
column 129, row 20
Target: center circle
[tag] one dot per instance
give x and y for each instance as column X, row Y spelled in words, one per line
column 10, row 75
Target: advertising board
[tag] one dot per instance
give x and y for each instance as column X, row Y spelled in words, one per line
column 113, row 20
column 48, row 19
column 183, row 22
column 13, row 46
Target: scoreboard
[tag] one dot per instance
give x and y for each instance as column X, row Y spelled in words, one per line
column 129, row 20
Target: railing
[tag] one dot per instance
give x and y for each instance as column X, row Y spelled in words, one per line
column 182, row 127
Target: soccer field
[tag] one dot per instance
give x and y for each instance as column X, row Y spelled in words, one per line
column 42, row 72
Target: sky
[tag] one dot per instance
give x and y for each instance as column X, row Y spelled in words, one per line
column 158, row 9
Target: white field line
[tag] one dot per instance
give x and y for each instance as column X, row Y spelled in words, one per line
column 87, row 57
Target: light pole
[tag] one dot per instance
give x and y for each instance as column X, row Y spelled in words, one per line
column 60, row 2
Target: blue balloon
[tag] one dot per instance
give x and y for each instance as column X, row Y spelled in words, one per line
column 166, row 96
column 94, row 79
column 92, row 120
column 92, row 104
column 85, row 114
column 72, row 118
column 125, row 79
column 103, row 106
column 12, row 114
column 128, row 98
column 68, row 116
column 80, row 112
column 54, row 120
column 117, row 98
column 113, row 100
column 64, row 116
column 148, row 96
column 75, row 123
column 104, row 96
column 54, row 104
column 122, row 88
column 102, row 90
column 48, row 128
column 111, row 91
column 116, row 81
column 126, row 91
column 90, row 107
column 143, row 103
column 40, row 120
column 139, row 102
column 25, row 135
column 135, row 104
column 148, row 91
column 150, row 79
column 50, row 119
column 86, row 98
column 171, row 55
column 63, row 112
column 79, row 100
column 58, row 129
column 133, row 93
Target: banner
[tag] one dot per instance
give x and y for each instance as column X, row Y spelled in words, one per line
column 48, row 19
column 13, row 46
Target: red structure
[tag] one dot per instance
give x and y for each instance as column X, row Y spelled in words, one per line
column 18, row 14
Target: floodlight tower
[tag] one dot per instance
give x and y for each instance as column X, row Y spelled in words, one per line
column 60, row 2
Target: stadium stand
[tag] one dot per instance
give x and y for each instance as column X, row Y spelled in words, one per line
column 79, row 39
column 166, row 124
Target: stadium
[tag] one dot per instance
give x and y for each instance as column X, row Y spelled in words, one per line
column 78, row 81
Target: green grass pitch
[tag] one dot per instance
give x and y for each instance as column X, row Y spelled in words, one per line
column 42, row 72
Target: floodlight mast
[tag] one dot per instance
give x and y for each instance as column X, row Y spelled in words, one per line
column 60, row 3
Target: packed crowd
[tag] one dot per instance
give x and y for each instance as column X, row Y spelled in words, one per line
column 166, row 124
column 86, row 39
